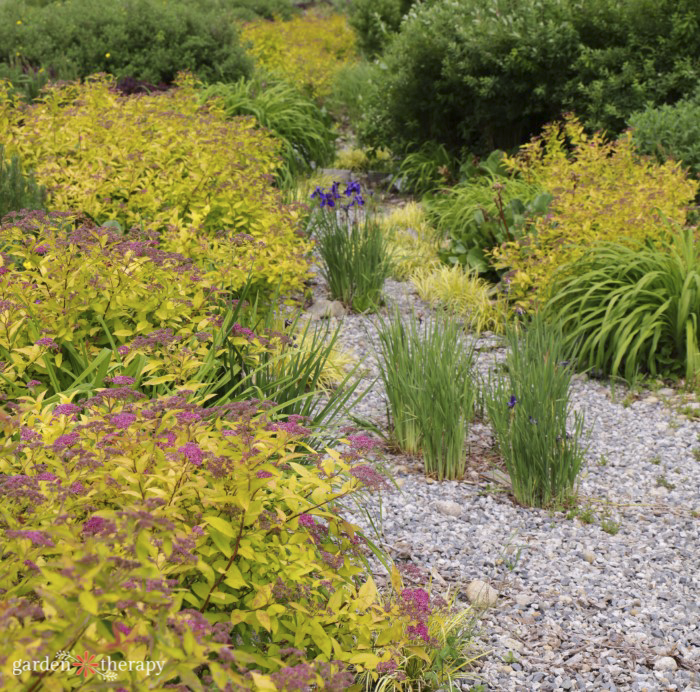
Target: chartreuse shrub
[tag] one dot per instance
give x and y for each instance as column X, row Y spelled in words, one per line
column 670, row 132
column 353, row 249
column 634, row 308
column 529, row 408
column 80, row 304
column 195, row 176
column 197, row 540
column 427, row 374
column 306, row 51
column 462, row 292
column 304, row 130
column 18, row 188
column 145, row 39
column 602, row 191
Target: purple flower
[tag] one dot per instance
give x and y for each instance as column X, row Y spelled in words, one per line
column 512, row 401
column 418, row 631
column 369, row 477
column 66, row 409
column 36, row 537
column 188, row 417
column 46, row 476
column 123, row 350
column 77, row 488
column 363, row 443
column 49, row 343
column 120, row 380
column 42, row 249
column 263, row 474
column 33, row 383
column 307, row 520
column 123, row 420
column 193, row 453
column 66, row 440
column 95, row 526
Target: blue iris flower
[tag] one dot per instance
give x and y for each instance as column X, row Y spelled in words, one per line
column 512, row 401
column 353, row 188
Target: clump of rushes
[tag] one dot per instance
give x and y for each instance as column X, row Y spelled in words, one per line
column 353, row 249
column 18, row 190
column 528, row 410
column 431, row 393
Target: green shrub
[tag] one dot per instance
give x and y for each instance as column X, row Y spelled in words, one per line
column 354, row 252
column 427, row 375
column 348, row 91
column 158, row 530
column 485, row 74
column 304, row 130
column 28, row 82
column 489, row 208
column 145, row 39
column 633, row 308
column 18, row 190
column 670, row 132
column 376, row 21
column 528, row 409
column 474, row 74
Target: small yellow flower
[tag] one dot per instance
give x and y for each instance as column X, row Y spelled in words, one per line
column 107, row 55
column 19, row 21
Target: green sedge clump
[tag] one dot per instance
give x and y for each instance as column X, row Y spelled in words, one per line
column 200, row 538
column 163, row 160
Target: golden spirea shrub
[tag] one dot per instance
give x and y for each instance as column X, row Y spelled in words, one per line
column 306, row 51
column 164, row 161
column 155, row 530
column 603, row 191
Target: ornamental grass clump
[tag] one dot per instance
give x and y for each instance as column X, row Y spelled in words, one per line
column 633, row 309
column 353, row 249
column 529, row 408
column 427, row 374
column 200, row 538
column 18, row 189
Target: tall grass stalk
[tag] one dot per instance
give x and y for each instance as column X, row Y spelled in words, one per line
column 529, row 408
column 427, row 375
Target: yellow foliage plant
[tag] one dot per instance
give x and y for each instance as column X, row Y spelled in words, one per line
column 201, row 180
column 464, row 293
column 411, row 241
column 603, row 191
column 307, row 51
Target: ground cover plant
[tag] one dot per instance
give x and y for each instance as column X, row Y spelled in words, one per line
column 601, row 191
column 528, row 408
column 352, row 249
column 305, row 51
column 633, row 309
column 144, row 39
column 429, row 383
column 195, row 176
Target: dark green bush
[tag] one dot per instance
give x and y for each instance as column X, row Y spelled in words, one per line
column 477, row 73
column 670, row 132
column 17, row 189
column 376, row 21
column 145, row 39
column 484, row 74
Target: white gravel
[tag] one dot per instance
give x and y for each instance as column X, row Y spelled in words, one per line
column 580, row 607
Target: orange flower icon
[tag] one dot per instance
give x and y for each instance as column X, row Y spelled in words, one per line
column 86, row 665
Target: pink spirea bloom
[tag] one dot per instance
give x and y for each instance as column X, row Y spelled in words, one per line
column 123, row 420
column 66, row 410
column 193, row 453
column 307, row 520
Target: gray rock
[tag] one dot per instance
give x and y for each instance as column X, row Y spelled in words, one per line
column 448, row 508
column 665, row 663
column 323, row 309
column 482, row 594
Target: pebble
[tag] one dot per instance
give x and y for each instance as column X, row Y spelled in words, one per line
column 482, row 594
column 448, row 508
column 665, row 663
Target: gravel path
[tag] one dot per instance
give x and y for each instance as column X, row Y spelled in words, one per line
column 609, row 599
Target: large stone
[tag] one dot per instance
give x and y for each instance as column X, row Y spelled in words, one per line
column 323, row 309
column 481, row 594
column 448, row 508
column 665, row 663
